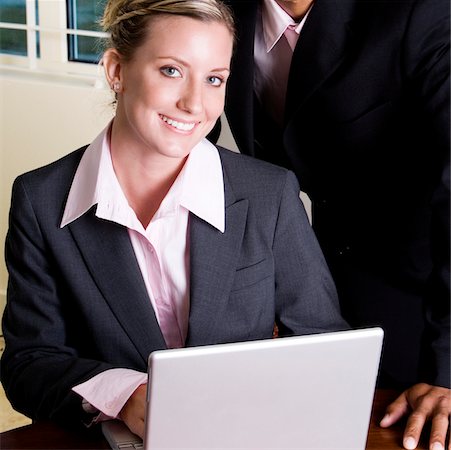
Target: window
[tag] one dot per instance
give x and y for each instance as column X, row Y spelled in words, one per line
column 13, row 36
column 84, row 15
column 57, row 36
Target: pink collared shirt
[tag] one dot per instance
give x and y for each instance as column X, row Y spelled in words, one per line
column 272, row 56
column 161, row 249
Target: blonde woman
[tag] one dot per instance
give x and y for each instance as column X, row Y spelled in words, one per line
column 151, row 237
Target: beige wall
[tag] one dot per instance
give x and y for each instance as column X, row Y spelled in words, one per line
column 41, row 119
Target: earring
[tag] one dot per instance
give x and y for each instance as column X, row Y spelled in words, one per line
column 116, row 86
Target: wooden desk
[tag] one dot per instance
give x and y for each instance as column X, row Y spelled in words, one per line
column 49, row 436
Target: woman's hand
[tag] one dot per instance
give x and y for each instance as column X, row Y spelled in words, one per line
column 133, row 412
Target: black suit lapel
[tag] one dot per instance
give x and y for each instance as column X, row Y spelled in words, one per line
column 214, row 257
column 319, row 51
column 109, row 257
column 239, row 105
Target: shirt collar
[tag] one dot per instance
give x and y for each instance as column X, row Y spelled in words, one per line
column 199, row 187
column 275, row 21
column 203, row 185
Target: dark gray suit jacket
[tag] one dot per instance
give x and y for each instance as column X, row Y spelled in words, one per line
column 77, row 303
column 367, row 132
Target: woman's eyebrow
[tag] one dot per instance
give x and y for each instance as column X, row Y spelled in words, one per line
column 187, row 64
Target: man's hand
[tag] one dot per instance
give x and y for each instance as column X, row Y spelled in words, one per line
column 134, row 410
column 424, row 402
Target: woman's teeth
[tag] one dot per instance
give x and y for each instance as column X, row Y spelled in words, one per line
column 179, row 125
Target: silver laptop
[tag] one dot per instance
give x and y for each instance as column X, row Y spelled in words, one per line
column 305, row 392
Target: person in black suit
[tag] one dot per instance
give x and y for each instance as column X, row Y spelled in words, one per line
column 354, row 97
column 151, row 237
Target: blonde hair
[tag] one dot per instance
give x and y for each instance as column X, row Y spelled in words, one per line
column 126, row 20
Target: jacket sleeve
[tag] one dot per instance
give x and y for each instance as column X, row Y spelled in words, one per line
column 39, row 365
column 427, row 50
column 306, row 298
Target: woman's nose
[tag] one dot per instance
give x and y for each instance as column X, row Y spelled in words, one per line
column 191, row 98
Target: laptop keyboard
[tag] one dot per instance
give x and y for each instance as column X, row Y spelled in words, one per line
column 120, row 437
column 130, row 445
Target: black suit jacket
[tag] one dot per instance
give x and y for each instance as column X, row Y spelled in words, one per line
column 77, row 303
column 366, row 131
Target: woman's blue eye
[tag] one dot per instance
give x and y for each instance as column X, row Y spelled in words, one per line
column 214, row 81
column 171, row 72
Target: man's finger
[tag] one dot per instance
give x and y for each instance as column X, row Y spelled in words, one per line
column 395, row 411
column 440, row 424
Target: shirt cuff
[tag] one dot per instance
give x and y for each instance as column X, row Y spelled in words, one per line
column 107, row 392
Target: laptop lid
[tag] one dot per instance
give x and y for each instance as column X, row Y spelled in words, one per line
column 305, row 392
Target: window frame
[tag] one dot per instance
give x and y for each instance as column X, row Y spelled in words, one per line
column 53, row 42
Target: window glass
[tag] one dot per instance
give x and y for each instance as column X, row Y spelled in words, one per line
column 84, row 15
column 38, row 43
column 13, row 41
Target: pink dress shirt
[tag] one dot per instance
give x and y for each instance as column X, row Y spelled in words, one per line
column 273, row 50
column 161, row 249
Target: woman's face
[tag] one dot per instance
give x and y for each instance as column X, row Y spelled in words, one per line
column 173, row 89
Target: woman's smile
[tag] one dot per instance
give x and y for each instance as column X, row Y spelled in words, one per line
column 178, row 124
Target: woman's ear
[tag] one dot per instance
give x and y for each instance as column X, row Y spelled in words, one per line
column 113, row 69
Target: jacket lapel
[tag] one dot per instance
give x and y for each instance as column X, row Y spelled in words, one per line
column 214, row 257
column 320, row 49
column 239, row 106
column 109, row 257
